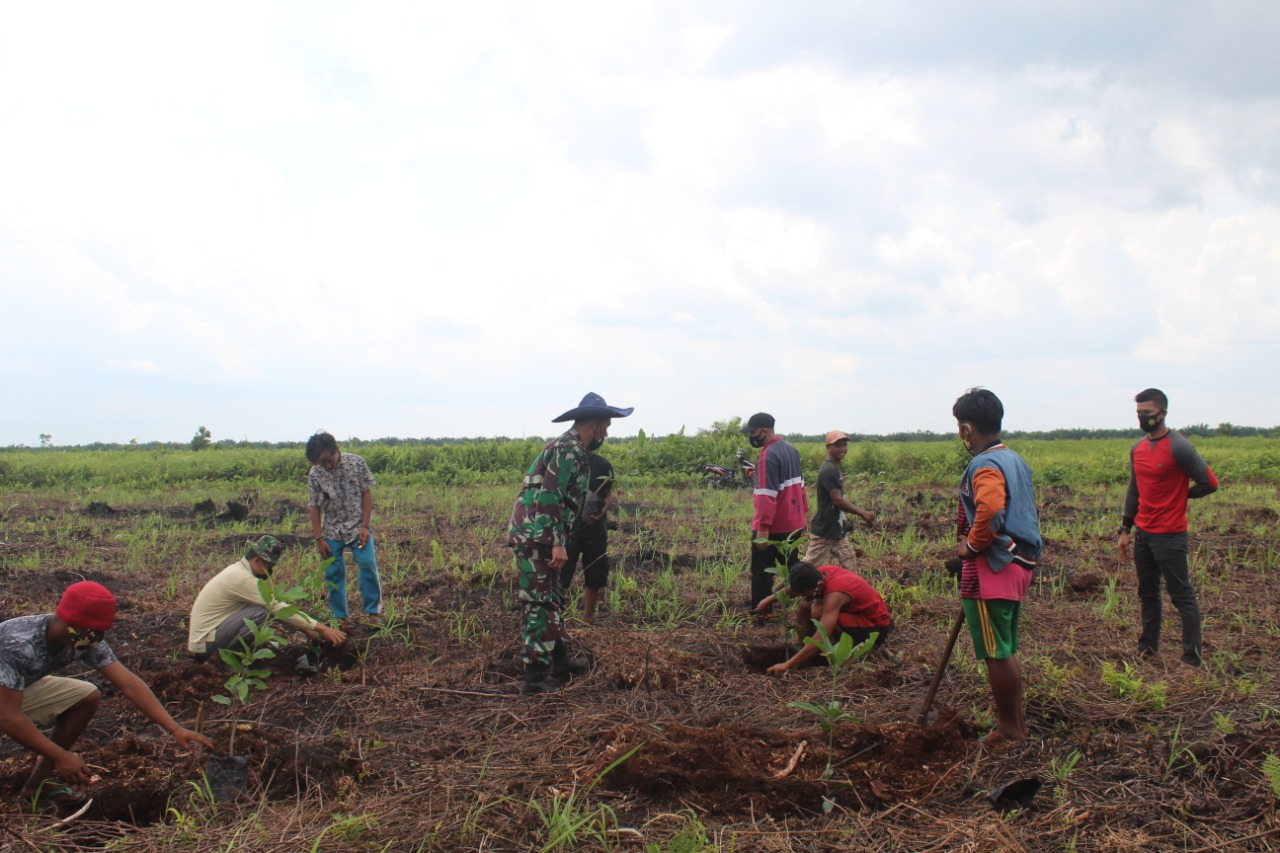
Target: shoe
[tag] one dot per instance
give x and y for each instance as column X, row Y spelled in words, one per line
column 1192, row 660
column 537, row 680
column 564, row 665
column 60, row 796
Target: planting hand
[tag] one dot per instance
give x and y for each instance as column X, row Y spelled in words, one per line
column 779, row 668
column 184, row 737
column 868, row 516
column 71, row 767
column 332, row 636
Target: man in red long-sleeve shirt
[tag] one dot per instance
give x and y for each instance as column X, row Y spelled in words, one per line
column 781, row 505
column 1161, row 467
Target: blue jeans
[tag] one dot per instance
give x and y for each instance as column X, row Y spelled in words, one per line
column 335, row 577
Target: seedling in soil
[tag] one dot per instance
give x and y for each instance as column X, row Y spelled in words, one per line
column 1125, row 683
column 837, row 654
column 261, row 645
column 1061, row 770
column 568, row 821
column 1271, row 770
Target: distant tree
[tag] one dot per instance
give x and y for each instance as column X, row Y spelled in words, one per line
column 202, row 439
column 1225, row 428
column 46, row 440
column 721, row 429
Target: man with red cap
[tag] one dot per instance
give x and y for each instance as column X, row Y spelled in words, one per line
column 828, row 533
column 33, row 647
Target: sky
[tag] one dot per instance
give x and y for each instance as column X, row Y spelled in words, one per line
column 456, row 219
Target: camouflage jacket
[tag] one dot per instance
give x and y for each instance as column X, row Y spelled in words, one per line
column 551, row 498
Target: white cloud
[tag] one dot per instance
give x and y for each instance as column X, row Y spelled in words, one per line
column 713, row 209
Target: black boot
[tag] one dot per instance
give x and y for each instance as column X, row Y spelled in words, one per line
column 536, row 680
column 564, row 665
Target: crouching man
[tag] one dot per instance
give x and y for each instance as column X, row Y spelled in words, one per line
column 32, row 647
column 232, row 596
column 840, row 600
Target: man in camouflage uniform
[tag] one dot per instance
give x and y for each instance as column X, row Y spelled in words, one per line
column 546, row 509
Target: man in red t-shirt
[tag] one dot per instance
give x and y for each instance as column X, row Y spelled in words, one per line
column 840, row 600
column 1161, row 467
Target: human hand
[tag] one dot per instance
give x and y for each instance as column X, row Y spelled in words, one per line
column 323, row 546
column 184, row 737
column 1122, row 544
column 868, row 516
column 778, row 669
column 559, row 557
column 963, row 552
column 363, row 538
column 332, row 636
column 71, row 768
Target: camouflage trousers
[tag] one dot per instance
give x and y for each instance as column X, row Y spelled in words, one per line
column 542, row 600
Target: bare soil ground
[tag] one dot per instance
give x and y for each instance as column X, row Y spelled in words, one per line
column 415, row 739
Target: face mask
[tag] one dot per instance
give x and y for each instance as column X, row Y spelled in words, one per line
column 596, row 444
column 83, row 638
column 1149, row 423
column 756, row 441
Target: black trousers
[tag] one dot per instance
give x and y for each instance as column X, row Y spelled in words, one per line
column 1163, row 556
column 763, row 559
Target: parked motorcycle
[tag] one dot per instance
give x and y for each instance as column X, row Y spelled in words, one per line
column 742, row 475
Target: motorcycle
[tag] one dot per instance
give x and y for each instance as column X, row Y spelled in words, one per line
column 743, row 475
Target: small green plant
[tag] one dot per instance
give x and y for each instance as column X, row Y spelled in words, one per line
column 1125, row 683
column 837, row 654
column 1271, row 770
column 568, row 821
column 1223, row 724
column 262, row 643
column 693, row 838
column 1061, row 770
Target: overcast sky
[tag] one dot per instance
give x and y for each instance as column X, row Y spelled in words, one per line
column 455, row 219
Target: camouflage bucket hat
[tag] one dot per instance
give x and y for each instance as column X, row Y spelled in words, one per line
column 265, row 547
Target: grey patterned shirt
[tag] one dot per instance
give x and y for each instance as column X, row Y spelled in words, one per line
column 25, row 656
column 337, row 493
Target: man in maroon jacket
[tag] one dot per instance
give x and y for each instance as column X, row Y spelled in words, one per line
column 1161, row 467
column 781, row 505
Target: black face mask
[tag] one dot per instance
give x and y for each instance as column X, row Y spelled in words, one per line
column 596, row 444
column 1149, row 423
column 756, row 441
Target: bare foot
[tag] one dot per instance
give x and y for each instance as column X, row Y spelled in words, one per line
column 997, row 741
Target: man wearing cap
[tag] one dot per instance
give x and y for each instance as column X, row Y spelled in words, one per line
column 340, row 505
column 546, row 510
column 232, row 596
column 781, row 505
column 32, row 647
column 840, row 601
column 828, row 539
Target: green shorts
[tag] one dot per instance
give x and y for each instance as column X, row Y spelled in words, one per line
column 993, row 625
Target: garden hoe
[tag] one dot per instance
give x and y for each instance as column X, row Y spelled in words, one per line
column 942, row 666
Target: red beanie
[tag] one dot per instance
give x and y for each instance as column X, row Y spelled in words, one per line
column 87, row 605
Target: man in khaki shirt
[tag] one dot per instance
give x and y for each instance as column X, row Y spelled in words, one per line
column 232, row 596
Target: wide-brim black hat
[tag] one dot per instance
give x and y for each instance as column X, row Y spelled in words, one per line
column 593, row 406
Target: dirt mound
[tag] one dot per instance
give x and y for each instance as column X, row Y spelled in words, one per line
column 721, row 767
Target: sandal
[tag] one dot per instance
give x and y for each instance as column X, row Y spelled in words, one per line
column 62, row 796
